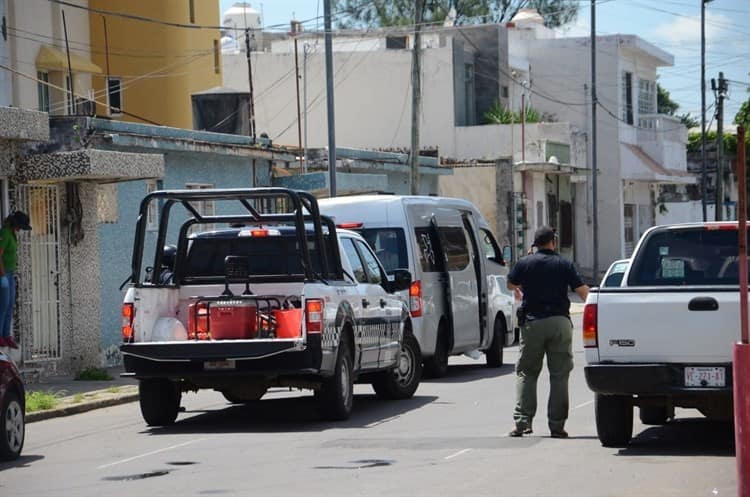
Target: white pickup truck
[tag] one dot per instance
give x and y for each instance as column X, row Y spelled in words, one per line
column 663, row 338
column 263, row 293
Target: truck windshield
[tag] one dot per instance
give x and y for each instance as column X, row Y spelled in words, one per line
column 695, row 256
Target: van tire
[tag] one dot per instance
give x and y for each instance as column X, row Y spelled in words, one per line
column 160, row 401
column 614, row 419
column 402, row 381
column 437, row 365
column 335, row 397
column 494, row 354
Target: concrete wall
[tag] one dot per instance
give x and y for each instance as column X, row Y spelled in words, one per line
column 476, row 184
column 373, row 96
column 46, row 18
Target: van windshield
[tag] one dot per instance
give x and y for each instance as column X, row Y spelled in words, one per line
column 389, row 244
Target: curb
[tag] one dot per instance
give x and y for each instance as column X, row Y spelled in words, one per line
column 84, row 406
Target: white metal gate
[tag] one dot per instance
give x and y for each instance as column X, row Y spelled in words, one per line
column 38, row 286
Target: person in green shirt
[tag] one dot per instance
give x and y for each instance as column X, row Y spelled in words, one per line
column 8, row 264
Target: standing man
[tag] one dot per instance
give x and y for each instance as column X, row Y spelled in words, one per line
column 544, row 278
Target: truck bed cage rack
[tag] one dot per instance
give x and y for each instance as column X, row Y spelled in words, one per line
column 303, row 209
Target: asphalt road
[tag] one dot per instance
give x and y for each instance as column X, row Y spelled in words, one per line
column 450, row 439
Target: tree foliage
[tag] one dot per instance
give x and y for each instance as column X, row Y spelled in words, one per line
column 743, row 115
column 664, row 102
column 665, row 105
column 358, row 14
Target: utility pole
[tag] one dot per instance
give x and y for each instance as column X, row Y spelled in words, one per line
column 416, row 98
column 250, row 80
column 720, row 91
column 296, row 27
column 329, row 98
column 72, row 95
column 594, row 201
column 704, row 194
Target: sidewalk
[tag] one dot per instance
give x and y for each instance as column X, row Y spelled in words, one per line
column 80, row 396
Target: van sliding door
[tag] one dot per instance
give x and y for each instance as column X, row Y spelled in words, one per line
column 461, row 280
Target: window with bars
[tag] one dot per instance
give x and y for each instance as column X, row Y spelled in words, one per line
column 204, row 207
column 152, row 217
column 646, row 97
column 627, row 97
column 114, row 96
column 43, row 90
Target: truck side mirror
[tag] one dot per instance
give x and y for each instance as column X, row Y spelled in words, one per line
column 401, row 280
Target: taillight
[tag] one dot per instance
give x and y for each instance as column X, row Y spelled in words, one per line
column 349, row 226
column 198, row 321
column 314, row 316
column 590, row 332
column 415, row 299
column 128, row 314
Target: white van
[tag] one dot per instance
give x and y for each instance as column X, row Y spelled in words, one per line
column 458, row 299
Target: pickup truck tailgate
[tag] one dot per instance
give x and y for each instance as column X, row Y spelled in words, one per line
column 667, row 325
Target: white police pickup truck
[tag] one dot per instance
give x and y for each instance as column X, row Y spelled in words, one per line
column 663, row 338
column 264, row 293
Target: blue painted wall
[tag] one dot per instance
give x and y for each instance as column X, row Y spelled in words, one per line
column 116, row 239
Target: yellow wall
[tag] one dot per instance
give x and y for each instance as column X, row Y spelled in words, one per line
column 160, row 66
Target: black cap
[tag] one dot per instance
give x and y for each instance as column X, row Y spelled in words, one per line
column 20, row 220
column 543, row 236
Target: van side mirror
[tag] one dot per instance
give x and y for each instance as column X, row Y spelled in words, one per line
column 401, row 280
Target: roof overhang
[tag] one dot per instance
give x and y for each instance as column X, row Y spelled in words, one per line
column 548, row 168
column 94, row 166
column 53, row 59
column 653, row 172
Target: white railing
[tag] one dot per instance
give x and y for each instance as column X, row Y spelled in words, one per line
column 660, row 127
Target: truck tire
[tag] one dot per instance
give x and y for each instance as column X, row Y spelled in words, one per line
column 437, row 365
column 494, row 354
column 614, row 419
column 336, row 395
column 402, row 381
column 160, row 401
column 655, row 415
column 13, row 427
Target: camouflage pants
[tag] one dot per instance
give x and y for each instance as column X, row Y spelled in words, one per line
column 553, row 337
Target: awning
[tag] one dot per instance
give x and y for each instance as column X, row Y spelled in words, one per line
column 53, row 59
column 654, row 172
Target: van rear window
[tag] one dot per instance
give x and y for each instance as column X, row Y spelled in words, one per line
column 687, row 257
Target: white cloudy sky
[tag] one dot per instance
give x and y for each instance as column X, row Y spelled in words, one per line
column 672, row 25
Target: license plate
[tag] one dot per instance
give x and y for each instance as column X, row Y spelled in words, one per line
column 705, row 377
column 230, row 364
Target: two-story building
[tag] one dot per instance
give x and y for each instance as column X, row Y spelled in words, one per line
column 638, row 150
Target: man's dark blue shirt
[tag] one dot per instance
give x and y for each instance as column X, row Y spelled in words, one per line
column 545, row 278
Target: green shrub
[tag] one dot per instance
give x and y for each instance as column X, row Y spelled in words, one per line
column 93, row 374
column 39, row 401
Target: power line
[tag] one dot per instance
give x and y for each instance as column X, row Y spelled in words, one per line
column 152, row 20
column 66, row 91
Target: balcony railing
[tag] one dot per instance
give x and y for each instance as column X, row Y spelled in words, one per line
column 660, row 127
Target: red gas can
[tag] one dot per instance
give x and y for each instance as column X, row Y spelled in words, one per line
column 222, row 320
